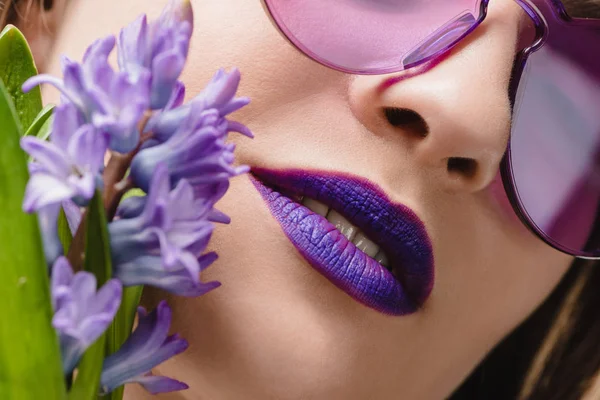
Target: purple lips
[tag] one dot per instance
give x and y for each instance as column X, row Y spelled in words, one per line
column 394, row 227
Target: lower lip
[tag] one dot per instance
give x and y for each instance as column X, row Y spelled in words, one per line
column 335, row 257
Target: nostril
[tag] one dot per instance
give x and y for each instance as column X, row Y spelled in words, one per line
column 466, row 167
column 407, row 119
column 48, row 4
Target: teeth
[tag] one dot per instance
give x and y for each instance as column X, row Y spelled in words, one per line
column 350, row 231
column 365, row 245
column 382, row 259
column 342, row 224
column 315, row 206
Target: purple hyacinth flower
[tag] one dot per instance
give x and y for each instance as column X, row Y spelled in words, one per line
column 160, row 49
column 219, row 94
column 66, row 167
column 148, row 346
column 47, row 221
column 197, row 152
column 159, row 238
column 81, row 314
column 107, row 99
column 73, row 214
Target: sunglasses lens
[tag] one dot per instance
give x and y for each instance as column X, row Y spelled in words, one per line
column 554, row 152
column 375, row 36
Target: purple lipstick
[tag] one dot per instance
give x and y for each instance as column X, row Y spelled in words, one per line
column 398, row 288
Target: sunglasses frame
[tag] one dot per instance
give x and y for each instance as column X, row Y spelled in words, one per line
column 520, row 65
column 541, row 35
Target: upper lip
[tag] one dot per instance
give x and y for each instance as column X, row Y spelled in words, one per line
column 394, row 227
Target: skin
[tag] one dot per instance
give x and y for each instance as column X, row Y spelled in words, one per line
column 276, row 328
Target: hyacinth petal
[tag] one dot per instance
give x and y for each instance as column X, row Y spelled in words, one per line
column 43, row 190
column 170, row 253
column 87, row 148
column 158, row 384
column 163, row 125
column 85, row 187
column 60, row 174
column 177, row 96
column 148, row 270
column 83, row 286
column 73, row 80
column 233, row 126
column 131, row 345
column 47, row 219
column 131, row 207
column 71, row 352
column 50, row 80
column 182, row 193
column 61, row 277
column 73, row 213
column 46, row 154
column 190, row 263
column 66, row 121
column 222, row 88
column 191, row 236
column 157, row 324
column 99, row 49
column 166, row 69
column 144, row 362
column 107, row 299
column 40, row 79
column 147, row 347
column 93, row 327
column 132, row 51
column 234, row 105
column 128, row 242
column 199, row 155
column 218, row 217
column 206, row 260
column 104, row 98
column 160, row 189
column 177, row 11
column 81, row 314
column 171, row 346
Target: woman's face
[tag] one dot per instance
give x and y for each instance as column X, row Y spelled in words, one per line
column 277, row 328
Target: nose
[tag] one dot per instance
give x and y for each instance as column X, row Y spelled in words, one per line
column 452, row 118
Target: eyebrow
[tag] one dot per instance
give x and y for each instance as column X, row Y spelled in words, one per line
column 582, row 8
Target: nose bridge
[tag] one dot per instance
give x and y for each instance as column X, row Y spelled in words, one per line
column 462, row 101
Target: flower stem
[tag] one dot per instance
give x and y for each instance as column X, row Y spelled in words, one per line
column 115, row 184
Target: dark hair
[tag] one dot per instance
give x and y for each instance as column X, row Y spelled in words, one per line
column 582, row 8
column 553, row 355
column 10, row 9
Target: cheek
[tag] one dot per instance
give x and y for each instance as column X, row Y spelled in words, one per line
column 500, row 201
column 238, row 33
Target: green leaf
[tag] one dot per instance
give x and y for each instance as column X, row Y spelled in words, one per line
column 121, row 328
column 16, row 66
column 97, row 244
column 44, row 131
column 35, row 129
column 97, row 261
column 30, row 364
column 64, row 232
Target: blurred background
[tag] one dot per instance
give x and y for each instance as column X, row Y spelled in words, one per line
column 39, row 20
